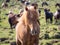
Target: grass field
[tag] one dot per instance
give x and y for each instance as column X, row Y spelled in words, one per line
column 49, row 33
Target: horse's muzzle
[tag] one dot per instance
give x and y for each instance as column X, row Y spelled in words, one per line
column 33, row 32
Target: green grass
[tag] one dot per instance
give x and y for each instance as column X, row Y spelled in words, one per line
column 48, row 32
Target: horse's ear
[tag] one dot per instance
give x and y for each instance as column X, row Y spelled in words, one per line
column 26, row 8
column 35, row 6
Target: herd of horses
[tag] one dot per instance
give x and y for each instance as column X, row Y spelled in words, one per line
column 27, row 23
column 50, row 15
column 27, row 2
column 12, row 18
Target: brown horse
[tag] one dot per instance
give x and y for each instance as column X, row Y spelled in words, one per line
column 12, row 19
column 28, row 28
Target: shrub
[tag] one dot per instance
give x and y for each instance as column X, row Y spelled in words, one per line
column 46, row 36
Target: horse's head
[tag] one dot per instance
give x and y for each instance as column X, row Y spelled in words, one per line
column 46, row 10
column 31, row 15
column 31, row 12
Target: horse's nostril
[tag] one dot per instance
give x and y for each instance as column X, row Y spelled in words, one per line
column 33, row 32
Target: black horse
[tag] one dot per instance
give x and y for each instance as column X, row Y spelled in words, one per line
column 57, row 4
column 7, row 0
column 44, row 3
column 48, row 15
column 22, row 1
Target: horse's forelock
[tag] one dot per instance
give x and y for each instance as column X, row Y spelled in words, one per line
column 31, row 11
column 30, row 8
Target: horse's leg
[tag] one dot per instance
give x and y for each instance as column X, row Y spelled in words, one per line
column 11, row 26
column 18, row 42
column 24, row 43
column 56, row 21
column 9, row 20
column 46, row 20
column 51, row 20
column 42, row 5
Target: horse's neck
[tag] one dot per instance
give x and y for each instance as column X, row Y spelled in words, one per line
column 25, row 20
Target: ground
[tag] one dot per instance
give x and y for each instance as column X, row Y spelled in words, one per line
column 49, row 33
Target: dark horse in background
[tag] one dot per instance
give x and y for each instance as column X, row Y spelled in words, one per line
column 28, row 28
column 57, row 5
column 44, row 3
column 48, row 15
column 23, row 1
column 7, row 0
column 13, row 19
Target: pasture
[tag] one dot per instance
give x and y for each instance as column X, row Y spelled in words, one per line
column 49, row 33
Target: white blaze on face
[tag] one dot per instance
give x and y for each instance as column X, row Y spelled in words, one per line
column 33, row 31
column 31, row 28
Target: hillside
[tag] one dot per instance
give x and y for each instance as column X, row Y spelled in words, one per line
column 49, row 33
